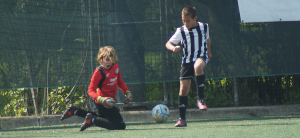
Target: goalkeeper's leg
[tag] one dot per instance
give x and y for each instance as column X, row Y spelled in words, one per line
column 111, row 118
column 73, row 110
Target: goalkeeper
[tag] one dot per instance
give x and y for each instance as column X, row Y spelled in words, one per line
column 103, row 88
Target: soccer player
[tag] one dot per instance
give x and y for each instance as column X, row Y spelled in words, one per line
column 103, row 89
column 194, row 37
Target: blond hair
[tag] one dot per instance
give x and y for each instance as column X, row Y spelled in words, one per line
column 107, row 51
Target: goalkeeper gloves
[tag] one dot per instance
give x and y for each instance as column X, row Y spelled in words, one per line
column 128, row 97
column 106, row 101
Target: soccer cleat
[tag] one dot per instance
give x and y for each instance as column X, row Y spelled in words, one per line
column 180, row 123
column 69, row 112
column 88, row 122
column 201, row 104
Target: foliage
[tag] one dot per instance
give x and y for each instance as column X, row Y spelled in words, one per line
column 252, row 91
column 14, row 103
column 18, row 102
column 270, row 90
column 59, row 100
column 294, row 98
column 154, row 91
column 219, row 92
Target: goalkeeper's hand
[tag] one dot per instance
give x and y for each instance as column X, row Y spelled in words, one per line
column 106, row 101
column 128, row 97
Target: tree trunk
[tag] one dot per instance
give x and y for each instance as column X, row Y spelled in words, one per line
column 37, row 102
column 30, row 82
column 48, row 102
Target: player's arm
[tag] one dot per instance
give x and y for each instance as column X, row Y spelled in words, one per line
column 123, row 87
column 208, row 48
column 170, row 46
column 208, row 41
column 94, row 84
column 175, row 39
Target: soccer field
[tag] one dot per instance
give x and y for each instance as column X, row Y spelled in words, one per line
column 261, row 126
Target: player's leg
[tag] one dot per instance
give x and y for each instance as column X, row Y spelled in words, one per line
column 110, row 119
column 113, row 119
column 183, row 101
column 199, row 80
column 186, row 75
column 183, row 97
column 73, row 110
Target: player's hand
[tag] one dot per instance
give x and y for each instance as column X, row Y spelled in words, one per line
column 209, row 56
column 128, row 97
column 106, row 101
column 176, row 49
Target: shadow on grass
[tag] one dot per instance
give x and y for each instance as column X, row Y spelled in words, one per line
column 219, row 119
column 271, row 124
column 159, row 128
column 244, row 118
column 130, row 129
column 41, row 128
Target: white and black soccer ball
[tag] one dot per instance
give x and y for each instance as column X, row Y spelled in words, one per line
column 160, row 113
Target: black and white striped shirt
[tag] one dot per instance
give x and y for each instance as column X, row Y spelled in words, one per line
column 194, row 42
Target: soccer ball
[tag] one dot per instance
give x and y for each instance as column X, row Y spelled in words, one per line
column 160, row 113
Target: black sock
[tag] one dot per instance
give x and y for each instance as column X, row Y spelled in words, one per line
column 80, row 112
column 182, row 104
column 200, row 86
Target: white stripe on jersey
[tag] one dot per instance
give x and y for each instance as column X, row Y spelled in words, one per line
column 196, row 43
column 191, row 48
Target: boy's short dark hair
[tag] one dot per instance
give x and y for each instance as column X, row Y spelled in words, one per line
column 189, row 10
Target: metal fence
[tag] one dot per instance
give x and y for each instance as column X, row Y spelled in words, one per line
column 54, row 43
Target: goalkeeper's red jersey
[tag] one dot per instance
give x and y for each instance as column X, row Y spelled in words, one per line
column 109, row 87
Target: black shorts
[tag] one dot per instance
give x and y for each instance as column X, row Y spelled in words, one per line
column 187, row 70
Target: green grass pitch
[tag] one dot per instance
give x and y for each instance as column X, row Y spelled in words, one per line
column 246, row 127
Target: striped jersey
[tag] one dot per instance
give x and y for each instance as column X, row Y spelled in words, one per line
column 193, row 41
